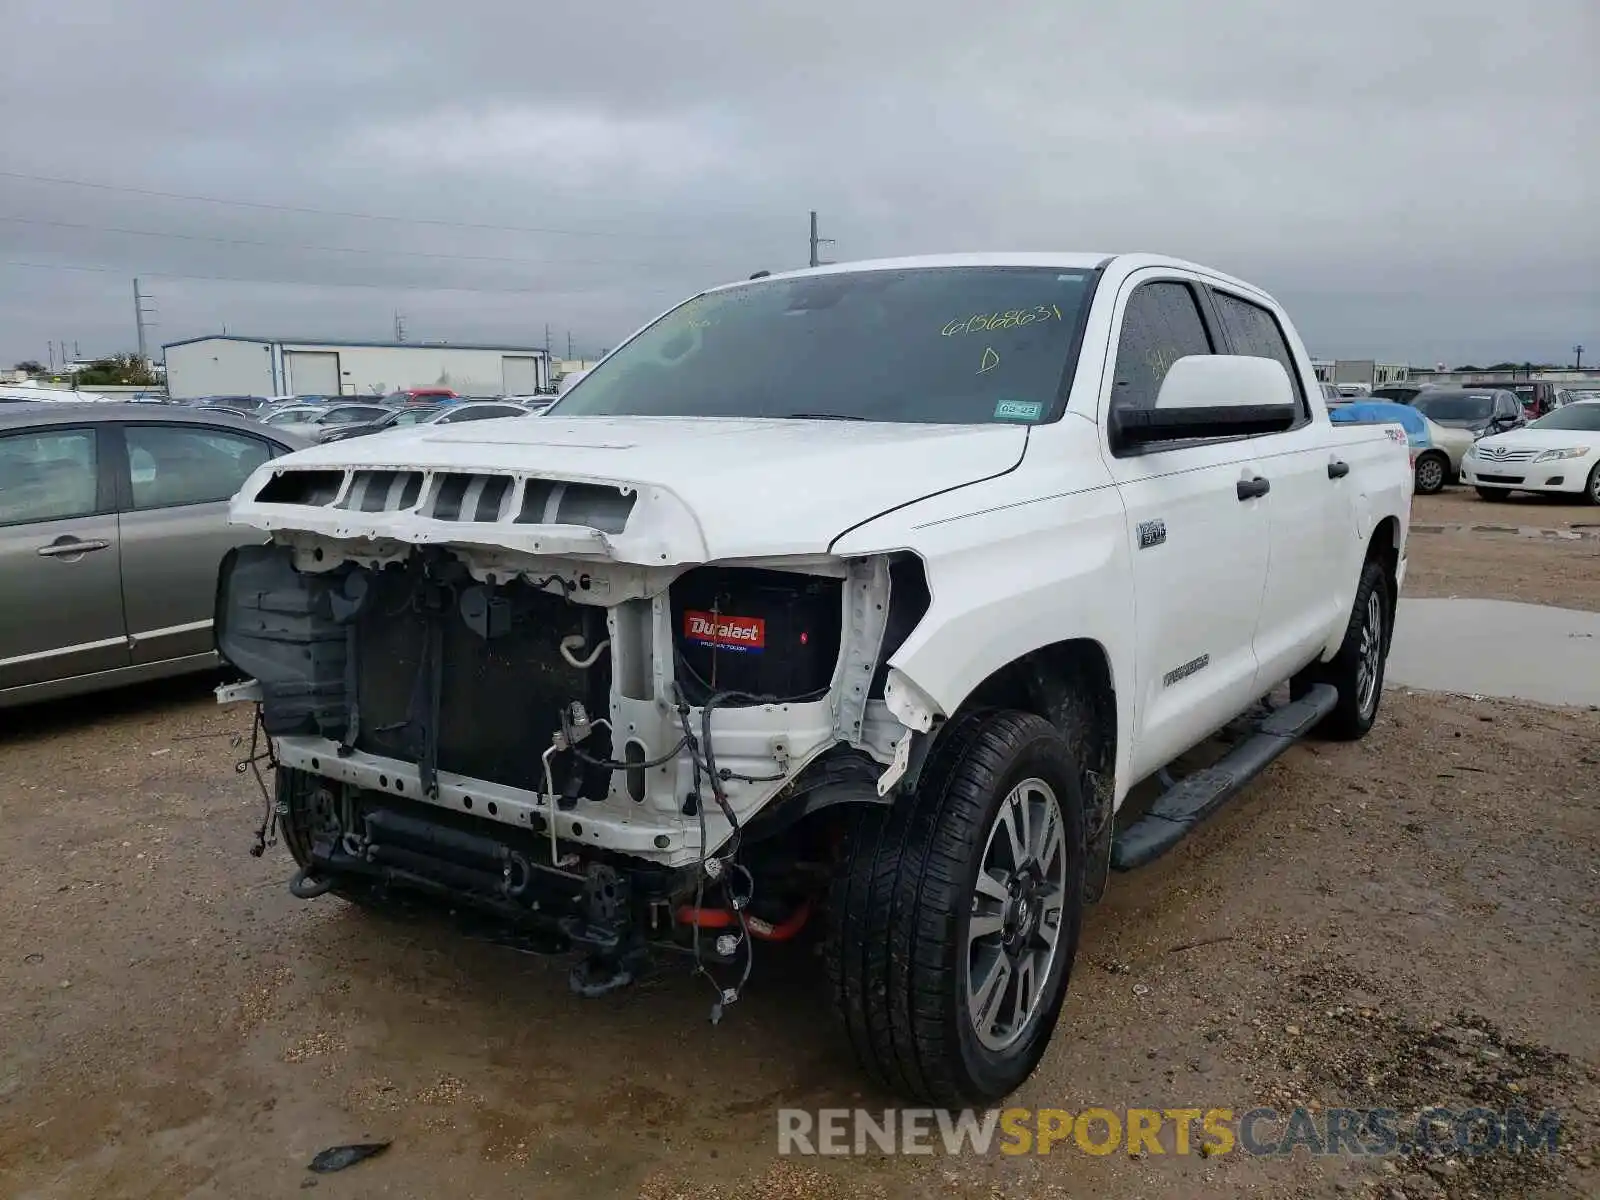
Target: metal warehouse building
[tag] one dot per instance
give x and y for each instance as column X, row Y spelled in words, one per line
column 226, row 365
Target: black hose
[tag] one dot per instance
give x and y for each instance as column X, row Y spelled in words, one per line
column 305, row 886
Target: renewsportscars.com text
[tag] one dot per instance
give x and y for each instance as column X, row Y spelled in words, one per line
column 1363, row 1132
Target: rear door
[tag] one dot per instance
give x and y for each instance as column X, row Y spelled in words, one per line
column 176, row 483
column 60, row 586
column 1311, row 523
column 1199, row 548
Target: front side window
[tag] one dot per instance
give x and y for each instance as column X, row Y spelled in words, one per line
column 47, row 476
column 1161, row 324
column 170, row 465
column 960, row 345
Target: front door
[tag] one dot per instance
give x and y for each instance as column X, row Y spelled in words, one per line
column 60, row 584
column 1198, row 541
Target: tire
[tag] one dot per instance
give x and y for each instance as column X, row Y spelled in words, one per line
column 1493, row 494
column 899, row 958
column 1431, row 473
column 1592, row 489
column 1356, row 671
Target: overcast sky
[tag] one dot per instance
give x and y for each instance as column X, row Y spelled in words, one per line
column 1418, row 180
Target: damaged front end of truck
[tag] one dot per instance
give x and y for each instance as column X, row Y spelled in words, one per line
column 534, row 698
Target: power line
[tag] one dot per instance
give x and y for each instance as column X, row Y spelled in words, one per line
column 333, row 212
column 227, row 241
column 311, row 283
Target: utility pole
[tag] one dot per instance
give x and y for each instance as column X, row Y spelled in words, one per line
column 569, row 345
column 547, row 339
column 140, row 312
column 399, row 326
column 50, row 349
column 817, row 242
column 1578, row 350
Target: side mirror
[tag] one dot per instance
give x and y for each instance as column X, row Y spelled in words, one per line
column 1211, row 396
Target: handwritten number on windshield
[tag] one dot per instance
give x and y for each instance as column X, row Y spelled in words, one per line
column 1014, row 318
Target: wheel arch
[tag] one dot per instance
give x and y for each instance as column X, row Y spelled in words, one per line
column 1072, row 684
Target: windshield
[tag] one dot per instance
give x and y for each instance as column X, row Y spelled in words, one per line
column 1474, row 407
column 291, row 416
column 1574, row 416
column 416, row 416
column 963, row 345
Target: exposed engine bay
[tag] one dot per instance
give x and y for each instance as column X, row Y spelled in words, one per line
column 621, row 755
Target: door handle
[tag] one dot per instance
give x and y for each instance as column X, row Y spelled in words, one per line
column 1337, row 469
column 70, row 547
column 1249, row 489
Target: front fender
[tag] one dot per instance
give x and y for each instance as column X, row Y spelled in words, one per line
column 1009, row 581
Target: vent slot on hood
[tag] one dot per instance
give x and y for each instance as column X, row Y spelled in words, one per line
column 463, row 497
column 383, row 491
column 593, row 505
column 318, row 488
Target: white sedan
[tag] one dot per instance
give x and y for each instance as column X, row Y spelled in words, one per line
column 1559, row 452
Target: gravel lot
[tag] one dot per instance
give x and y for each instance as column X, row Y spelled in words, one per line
column 1411, row 920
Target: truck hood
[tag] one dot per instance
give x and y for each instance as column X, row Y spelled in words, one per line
column 701, row 489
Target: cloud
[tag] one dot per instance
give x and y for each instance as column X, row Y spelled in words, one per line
column 1412, row 179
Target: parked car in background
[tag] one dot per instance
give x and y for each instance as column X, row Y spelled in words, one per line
column 570, row 379
column 439, row 414
column 1332, row 395
column 315, row 424
column 1537, row 396
column 23, row 394
column 1477, row 410
column 407, row 397
column 290, row 414
column 113, row 520
column 1556, row 453
column 1430, row 465
column 244, row 404
column 1352, row 391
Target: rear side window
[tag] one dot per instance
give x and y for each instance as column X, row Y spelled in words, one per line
column 47, row 476
column 170, row 465
column 1252, row 330
column 1160, row 325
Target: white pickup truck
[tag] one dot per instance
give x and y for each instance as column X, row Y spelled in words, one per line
column 852, row 601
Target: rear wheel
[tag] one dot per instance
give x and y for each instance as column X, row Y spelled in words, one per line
column 955, row 914
column 1356, row 672
column 1431, row 472
column 1490, row 493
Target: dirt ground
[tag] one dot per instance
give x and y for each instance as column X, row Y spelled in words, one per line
column 1454, row 552
column 1409, row 920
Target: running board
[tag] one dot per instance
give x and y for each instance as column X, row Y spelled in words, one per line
column 1182, row 807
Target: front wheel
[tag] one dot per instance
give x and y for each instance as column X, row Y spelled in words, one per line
column 1431, row 472
column 955, row 914
column 1593, row 488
